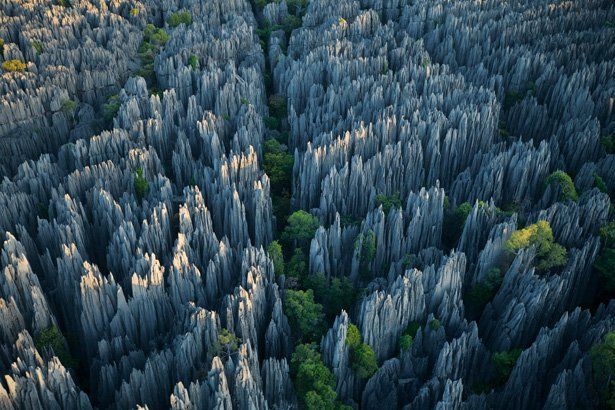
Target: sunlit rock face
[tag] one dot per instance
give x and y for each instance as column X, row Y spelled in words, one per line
column 438, row 175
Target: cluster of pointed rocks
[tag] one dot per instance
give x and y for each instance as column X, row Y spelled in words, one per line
column 439, row 102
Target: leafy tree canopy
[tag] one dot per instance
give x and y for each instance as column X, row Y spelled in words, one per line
column 12, row 66
column 275, row 253
column 388, row 202
column 51, row 338
column 565, row 183
column 180, row 17
column 304, row 314
column 549, row 254
column 603, row 369
column 504, row 363
column 140, row 184
column 301, row 227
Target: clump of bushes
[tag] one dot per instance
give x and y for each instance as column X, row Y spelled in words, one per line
column 140, row 184
column 406, row 338
column 301, row 228
column 549, row 254
column 193, row 61
column 13, row 66
column 454, row 221
column 111, row 107
column 388, row 202
column 482, row 293
column 314, row 382
column 52, row 338
column 68, row 107
column 565, row 183
column 368, row 252
column 153, row 40
column 603, row 370
column 362, row 357
column 275, row 254
column 226, row 344
column 180, row 17
column 305, row 316
column 334, row 294
column 38, row 46
column 504, row 363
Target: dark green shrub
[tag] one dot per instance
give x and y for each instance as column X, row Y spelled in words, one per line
column 313, row 381
column 434, row 324
column 504, row 363
column 482, row 293
column 51, row 338
column 301, row 228
column 37, row 46
column 140, row 184
column 453, row 224
column 193, row 61
column 68, row 107
column 111, row 108
column 388, row 202
column 275, row 254
column 599, row 183
column 603, row 370
column 362, row 357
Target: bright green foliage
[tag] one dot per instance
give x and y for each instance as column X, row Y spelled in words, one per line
column 363, row 361
column 353, row 337
column 275, row 253
column 110, row 109
column 453, row 224
column 227, row 343
column 140, row 184
column 362, row 357
column 193, row 61
column 301, row 227
column 565, row 183
column 38, row 46
column 405, row 342
column 153, row 40
column 599, row 183
column 314, row 382
column 68, row 106
column 51, row 338
column 603, row 366
column 549, row 254
column 297, row 266
column 12, row 66
column 368, row 252
column 335, row 294
column 180, row 17
column 278, row 165
column 388, row 202
column 305, row 316
column 482, row 293
column 434, row 324
column 608, row 143
column 504, row 363
column 134, row 12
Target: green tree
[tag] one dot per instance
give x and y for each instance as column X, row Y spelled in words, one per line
column 38, row 46
column 13, row 66
column 603, row 369
column 406, row 339
column 68, row 107
column 193, row 61
column 275, row 254
column 140, row 184
column 549, row 254
column 227, row 343
column 605, row 263
column 334, row 294
column 362, row 357
column 314, row 382
column 305, row 316
column 608, row 142
column 388, row 202
column 301, row 228
column 111, row 108
column 277, row 106
column 453, row 224
column 607, row 233
column 180, row 17
column 434, row 324
column 51, row 338
column 278, row 165
column 368, row 252
column 482, row 293
column 599, row 183
column 297, row 265
column 504, row 363
column 363, row 361
column 565, row 183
